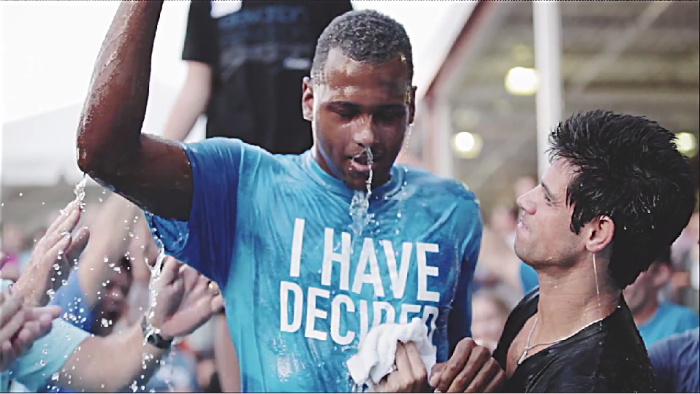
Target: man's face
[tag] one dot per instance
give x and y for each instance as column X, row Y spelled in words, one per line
column 116, row 291
column 543, row 236
column 355, row 106
column 646, row 288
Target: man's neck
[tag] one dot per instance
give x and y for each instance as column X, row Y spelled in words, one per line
column 572, row 299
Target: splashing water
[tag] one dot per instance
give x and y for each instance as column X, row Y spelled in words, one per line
column 153, row 290
column 80, row 192
column 359, row 206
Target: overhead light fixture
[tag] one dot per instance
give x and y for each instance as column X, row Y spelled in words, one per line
column 467, row 145
column 687, row 144
column 521, row 81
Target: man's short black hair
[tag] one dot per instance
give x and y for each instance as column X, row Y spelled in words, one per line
column 366, row 36
column 628, row 168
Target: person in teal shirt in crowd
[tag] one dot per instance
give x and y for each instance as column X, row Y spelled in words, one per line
column 657, row 320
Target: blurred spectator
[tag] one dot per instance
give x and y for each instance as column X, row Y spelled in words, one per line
column 12, row 246
column 657, row 320
column 676, row 361
column 504, row 220
column 489, row 314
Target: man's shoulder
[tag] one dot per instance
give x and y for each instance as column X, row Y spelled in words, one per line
column 438, row 185
column 588, row 369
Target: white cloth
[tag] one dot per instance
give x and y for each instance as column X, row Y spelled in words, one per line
column 377, row 352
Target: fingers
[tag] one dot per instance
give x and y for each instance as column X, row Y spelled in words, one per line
column 190, row 277
column 9, row 308
column 57, row 251
column 420, row 375
column 65, row 223
column 78, row 244
column 489, row 378
column 38, row 313
column 7, row 355
column 169, row 273
column 62, row 217
column 453, row 366
column 9, row 329
column 403, row 365
column 478, row 358
column 217, row 304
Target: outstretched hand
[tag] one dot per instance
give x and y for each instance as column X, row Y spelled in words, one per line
column 186, row 300
column 51, row 255
column 20, row 326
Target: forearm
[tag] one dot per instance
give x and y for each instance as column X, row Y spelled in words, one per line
column 111, row 364
column 113, row 114
column 149, row 171
column 226, row 358
column 191, row 103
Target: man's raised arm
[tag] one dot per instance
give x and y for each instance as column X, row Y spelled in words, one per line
column 151, row 172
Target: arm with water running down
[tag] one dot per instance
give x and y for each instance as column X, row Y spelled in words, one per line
column 195, row 224
column 151, row 172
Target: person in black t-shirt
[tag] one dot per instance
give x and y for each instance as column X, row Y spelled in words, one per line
column 246, row 61
column 616, row 194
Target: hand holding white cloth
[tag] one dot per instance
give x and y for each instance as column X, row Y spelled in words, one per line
column 377, row 352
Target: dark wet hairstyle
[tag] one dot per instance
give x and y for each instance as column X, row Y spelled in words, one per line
column 628, row 168
column 367, row 36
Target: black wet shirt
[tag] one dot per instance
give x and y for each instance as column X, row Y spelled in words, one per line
column 608, row 356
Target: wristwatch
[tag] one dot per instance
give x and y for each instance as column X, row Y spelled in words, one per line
column 154, row 338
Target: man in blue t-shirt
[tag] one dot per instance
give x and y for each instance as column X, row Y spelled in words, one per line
column 307, row 257
column 657, row 320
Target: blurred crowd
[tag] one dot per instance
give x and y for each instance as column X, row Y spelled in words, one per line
column 119, row 284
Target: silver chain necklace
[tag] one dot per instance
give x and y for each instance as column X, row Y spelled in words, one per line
column 529, row 336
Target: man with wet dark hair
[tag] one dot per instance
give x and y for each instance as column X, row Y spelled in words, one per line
column 618, row 192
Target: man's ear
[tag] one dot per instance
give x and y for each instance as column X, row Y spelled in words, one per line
column 411, row 104
column 307, row 99
column 600, row 232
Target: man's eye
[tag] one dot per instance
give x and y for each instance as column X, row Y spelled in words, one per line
column 345, row 113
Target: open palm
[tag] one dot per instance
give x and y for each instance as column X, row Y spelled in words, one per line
column 200, row 300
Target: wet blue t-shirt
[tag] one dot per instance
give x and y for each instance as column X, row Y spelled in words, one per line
column 302, row 284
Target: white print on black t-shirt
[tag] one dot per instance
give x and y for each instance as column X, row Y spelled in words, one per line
column 271, row 34
column 220, row 8
column 291, row 321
